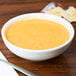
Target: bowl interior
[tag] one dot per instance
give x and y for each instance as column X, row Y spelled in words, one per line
column 40, row 16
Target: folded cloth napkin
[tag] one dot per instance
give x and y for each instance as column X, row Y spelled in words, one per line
column 5, row 69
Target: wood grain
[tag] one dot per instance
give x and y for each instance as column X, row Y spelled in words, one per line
column 62, row 65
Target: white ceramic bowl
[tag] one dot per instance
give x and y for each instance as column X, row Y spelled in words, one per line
column 38, row 55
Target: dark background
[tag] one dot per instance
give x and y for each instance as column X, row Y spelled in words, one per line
column 63, row 65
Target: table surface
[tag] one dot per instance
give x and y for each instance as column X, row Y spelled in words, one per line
column 63, row 65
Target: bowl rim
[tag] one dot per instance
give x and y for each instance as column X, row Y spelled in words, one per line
column 44, row 50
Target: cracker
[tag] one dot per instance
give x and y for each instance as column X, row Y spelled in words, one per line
column 55, row 11
column 70, row 14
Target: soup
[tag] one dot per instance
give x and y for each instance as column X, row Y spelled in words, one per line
column 37, row 34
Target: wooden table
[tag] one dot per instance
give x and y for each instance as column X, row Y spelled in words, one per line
column 63, row 65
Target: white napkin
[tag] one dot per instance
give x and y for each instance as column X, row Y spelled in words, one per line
column 5, row 69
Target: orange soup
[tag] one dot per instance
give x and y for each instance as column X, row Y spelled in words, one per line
column 37, row 34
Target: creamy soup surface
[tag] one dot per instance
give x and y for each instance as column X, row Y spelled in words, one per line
column 37, row 34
